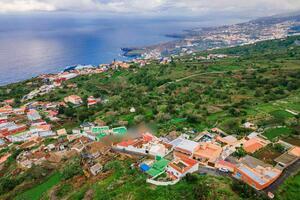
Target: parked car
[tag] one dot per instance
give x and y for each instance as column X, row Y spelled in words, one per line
column 223, row 170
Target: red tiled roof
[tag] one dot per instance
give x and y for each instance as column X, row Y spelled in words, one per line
column 126, row 143
column 147, row 137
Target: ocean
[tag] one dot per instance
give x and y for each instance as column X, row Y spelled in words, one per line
column 36, row 44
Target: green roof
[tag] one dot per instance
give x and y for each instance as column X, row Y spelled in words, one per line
column 100, row 130
column 161, row 164
column 153, row 172
column 100, row 136
column 158, row 167
column 120, row 130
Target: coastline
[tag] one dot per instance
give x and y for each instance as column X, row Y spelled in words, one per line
column 206, row 38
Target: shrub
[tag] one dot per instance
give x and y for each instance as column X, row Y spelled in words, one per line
column 72, row 169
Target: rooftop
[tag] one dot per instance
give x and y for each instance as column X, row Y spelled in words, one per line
column 185, row 144
column 257, row 170
column 209, row 151
column 158, row 167
column 254, row 144
column 119, row 130
column 182, row 164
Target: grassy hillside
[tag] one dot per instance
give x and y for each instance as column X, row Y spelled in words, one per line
column 258, row 83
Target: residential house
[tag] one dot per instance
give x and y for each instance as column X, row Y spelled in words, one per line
column 227, row 140
column 78, row 147
column 252, row 135
column 11, row 128
column 6, row 110
column 185, row 146
column 73, row 137
column 158, row 167
column 96, row 169
column 3, row 119
column 20, row 111
column 119, row 131
column 250, row 125
column 92, row 101
column 145, row 145
column 4, row 158
column 208, row 153
column 74, row 99
column 254, row 144
column 219, row 132
column 288, row 158
column 256, row 173
column 61, row 132
column 181, row 166
column 33, row 115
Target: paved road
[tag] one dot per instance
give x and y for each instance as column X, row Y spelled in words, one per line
column 290, row 171
column 210, row 171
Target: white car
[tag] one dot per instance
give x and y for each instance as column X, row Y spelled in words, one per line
column 223, row 170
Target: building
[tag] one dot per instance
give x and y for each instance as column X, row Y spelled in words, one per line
column 33, row 115
column 92, row 101
column 147, row 144
column 20, row 111
column 7, row 109
column 256, row 173
column 288, row 158
column 254, row 144
column 4, row 158
column 227, row 140
column 181, row 166
column 61, row 132
column 96, row 169
column 219, row 132
column 3, row 119
column 10, row 128
column 252, row 135
column 74, row 99
column 158, row 167
column 119, row 131
column 185, row 146
column 250, row 125
column 208, row 153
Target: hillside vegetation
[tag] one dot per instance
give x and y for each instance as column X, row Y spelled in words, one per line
column 256, row 83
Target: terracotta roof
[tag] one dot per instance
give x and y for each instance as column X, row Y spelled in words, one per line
column 209, row 151
column 126, row 143
column 4, row 158
column 147, row 137
column 254, row 144
column 295, row 151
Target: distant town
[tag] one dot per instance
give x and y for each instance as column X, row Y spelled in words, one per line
column 198, row 39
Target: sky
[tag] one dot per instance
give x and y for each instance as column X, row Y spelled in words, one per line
column 243, row 8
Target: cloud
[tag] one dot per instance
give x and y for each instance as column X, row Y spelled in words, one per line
column 154, row 7
column 25, row 5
